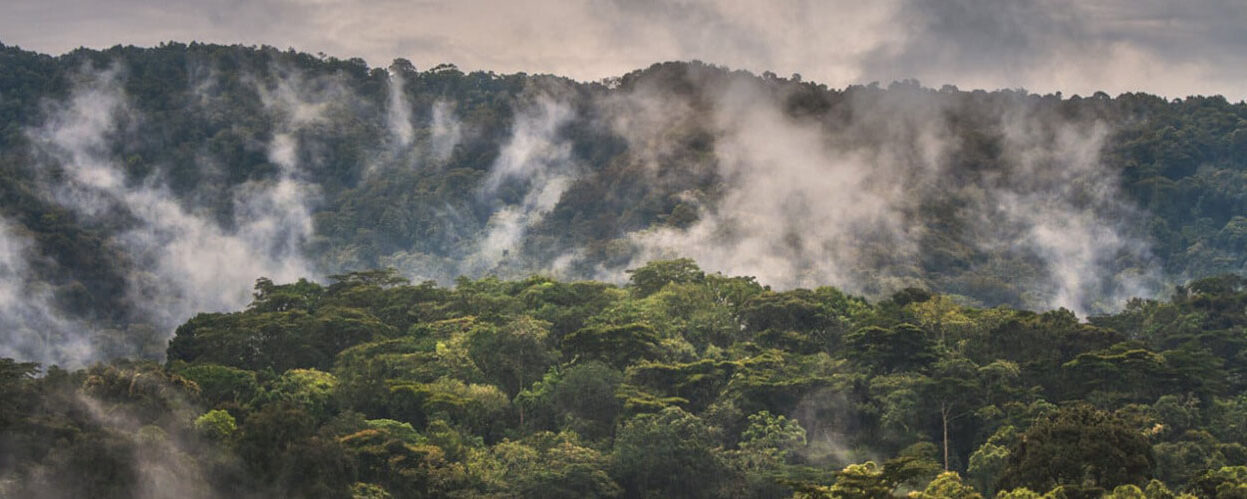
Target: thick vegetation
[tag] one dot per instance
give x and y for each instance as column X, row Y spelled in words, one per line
column 199, row 124
column 680, row 384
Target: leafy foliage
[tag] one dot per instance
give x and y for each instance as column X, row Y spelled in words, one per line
column 200, row 125
column 453, row 397
column 680, row 383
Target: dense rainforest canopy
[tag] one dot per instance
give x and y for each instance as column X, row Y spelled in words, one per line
column 886, row 242
column 679, row 384
column 139, row 186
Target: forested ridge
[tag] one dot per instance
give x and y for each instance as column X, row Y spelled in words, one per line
column 853, row 321
column 678, row 384
column 290, row 165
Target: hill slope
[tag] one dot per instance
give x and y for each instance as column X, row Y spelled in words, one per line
column 143, row 185
column 680, row 384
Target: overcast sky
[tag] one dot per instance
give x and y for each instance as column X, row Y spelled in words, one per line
column 1169, row 47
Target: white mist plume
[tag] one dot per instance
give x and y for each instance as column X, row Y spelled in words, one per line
column 31, row 328
column 534, row 149
column 801, row 208
column 534, row 165
column 806, row 202
column 646, row 116
column 186, row 262
column 164, row 463
column 398, row 111
column 826, row 416
column 409, row 147
column 536, row 155
column 446, row 131
column 1067, row 205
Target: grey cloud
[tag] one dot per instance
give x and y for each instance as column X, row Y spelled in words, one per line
column 960, row 36
column 693, row 27
column 1077, row 47
column 1159, row 46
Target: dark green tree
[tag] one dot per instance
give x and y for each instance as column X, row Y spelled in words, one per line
column 1079, row 447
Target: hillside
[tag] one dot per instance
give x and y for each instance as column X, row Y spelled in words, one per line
column 143, row 185
column 679, row 384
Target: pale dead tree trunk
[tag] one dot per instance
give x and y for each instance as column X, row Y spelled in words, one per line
column 944, row 416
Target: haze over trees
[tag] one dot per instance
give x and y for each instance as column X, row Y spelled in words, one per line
column 679, row 384
column 144, row 185
column 687, row 281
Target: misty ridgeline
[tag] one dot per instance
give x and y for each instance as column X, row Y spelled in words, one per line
column 890, row 235
column 148, row 185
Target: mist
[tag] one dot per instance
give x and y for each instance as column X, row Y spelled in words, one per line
column 534, row 156
column 446, row 131
column 622, row 248
column 186, row 261
column 800, row 210
column 809, row 202
column 398, row 111
column 991, row 198
column 34, row 328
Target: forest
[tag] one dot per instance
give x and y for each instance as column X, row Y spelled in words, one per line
column 239, row 271
column 139, row 186
column 680, row 383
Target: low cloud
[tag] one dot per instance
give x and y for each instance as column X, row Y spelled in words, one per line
column 445, row 130
column 849, row 201
column 33, row 328
column 1044, row 46
column 539, row 161
column 185, row 261
column 398, row 111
